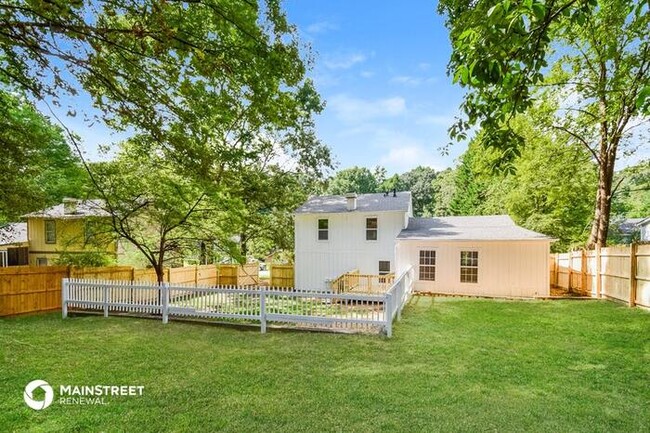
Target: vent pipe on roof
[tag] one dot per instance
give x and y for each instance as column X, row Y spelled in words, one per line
column 69, row 206
column 352, row 201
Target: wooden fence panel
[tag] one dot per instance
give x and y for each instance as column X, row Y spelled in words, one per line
column 282, row 275
column 615, row 270
column 248, row 274
column 115, row 273
column 148, row 275
column 228, row 275
column 207, row 275
column 186, row 275
column 643, row 275
column 28, row 289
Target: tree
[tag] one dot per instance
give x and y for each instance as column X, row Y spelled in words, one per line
column 420, row 182
column 501, row 49
column 355, row 179
column 444, row 190
column 38, row 167
column 160, row 212
column 200, row 79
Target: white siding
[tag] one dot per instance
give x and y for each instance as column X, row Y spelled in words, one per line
column 506, row 268
column 346, row 249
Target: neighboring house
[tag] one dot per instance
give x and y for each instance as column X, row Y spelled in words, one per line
column 13, row 244
column 376, row 234
column 72, row 227
column 643, row 227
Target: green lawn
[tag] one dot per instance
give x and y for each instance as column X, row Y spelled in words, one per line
column 453, row 365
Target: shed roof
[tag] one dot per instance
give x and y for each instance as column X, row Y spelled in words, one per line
column 13, row 233
column 379, row 202
column 85, row 208
column 465, row 228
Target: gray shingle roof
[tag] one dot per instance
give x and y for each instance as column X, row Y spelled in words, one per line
column 13, row 233
column 365, row 203
column 85, row 208
column 479, row 228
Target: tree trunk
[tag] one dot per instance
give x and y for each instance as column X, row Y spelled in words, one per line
column 600, row 225
column 160, row 273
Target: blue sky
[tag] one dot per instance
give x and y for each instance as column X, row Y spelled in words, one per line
column 381, row 67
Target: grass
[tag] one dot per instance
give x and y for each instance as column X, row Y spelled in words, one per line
column 453, row 365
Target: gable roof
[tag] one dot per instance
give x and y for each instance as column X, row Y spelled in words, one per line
column 468, row 228
column 85, row 208
column 13, row 233
column 365, row 203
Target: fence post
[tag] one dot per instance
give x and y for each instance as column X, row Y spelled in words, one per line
column 263, row 311
column 599, row 280
column 633, row 280
column 570, row 271
column 389, row 314
column 105, row 300
column 583, row 271
column 64, row 297
column 165, row 302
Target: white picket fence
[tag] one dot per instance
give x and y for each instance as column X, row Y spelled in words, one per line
column 300, row 309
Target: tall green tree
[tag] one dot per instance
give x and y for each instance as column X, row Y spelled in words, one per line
column 420, row 182
column 356, row 179
column 38, row 167
column 601, row 65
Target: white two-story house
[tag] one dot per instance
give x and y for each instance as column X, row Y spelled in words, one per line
column 376, row 234
column 336, row 234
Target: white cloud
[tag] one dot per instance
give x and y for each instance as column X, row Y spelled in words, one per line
column 409, row 80
column 343, row 61
column 321, row 27
column 435, row 120
column 355, row 110
column 401, row 152
column 366, row 74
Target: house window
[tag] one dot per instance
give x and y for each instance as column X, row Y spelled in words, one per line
column 371, row 229
column 323, row 229
column 427, row 268
column 41, row 261
column 50, row 231
column 469, row 266
column 384, row 267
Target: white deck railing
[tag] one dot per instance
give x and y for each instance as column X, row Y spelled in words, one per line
column 300, row 309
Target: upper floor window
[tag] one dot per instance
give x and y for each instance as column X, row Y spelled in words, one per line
column 50, row 231
column 469, row 266
column 323, row 229
column 427, row 268
column 371, row 229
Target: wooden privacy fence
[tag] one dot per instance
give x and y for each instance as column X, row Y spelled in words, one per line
column 618, row 272
column 298, row 309
column 282, row 275
column 28, row 289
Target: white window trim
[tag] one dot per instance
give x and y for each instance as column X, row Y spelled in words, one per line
column 435, row 250
column 318, row 230
column 478, row 268
column 365, row 228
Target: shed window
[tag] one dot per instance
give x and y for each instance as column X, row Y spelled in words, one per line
column 384, row 267
column 469, row 266
column 50, row 231
column 371, row 229
column 427, row 268
column 323, row 229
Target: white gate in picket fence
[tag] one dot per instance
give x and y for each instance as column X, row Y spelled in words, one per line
column 281, row 306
